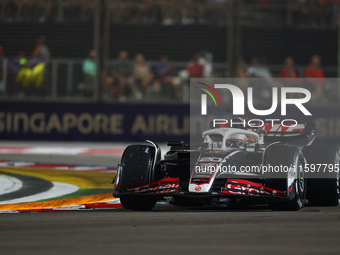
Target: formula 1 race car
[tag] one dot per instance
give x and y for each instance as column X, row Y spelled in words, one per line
column 275, row 164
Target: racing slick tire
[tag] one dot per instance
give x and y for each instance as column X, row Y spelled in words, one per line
column 292, row 181
column 138, row 170
column 323, row 191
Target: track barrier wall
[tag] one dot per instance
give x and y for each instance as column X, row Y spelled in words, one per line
column 123, row 122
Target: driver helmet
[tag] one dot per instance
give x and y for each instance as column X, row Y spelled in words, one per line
column 236, row 141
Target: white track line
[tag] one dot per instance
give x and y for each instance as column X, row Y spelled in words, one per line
column 9, row 184
column 55, row 151
column 58, row 189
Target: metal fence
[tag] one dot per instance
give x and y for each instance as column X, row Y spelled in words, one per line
column 65, row 80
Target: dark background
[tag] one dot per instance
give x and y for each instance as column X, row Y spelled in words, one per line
column 74, row 40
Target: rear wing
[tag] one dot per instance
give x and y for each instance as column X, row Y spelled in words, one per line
column 278, row 132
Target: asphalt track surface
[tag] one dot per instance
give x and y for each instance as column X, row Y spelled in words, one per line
column 33, row 185
column 173, row 230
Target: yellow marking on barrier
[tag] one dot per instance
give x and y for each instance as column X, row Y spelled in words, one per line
column 82, row 179
column 58, row 202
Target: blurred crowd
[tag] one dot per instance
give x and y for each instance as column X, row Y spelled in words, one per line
column 308, row 13
column 26, row 74
column 318, row 13
column 137, row 79
column 321, row 89
column 134, row 78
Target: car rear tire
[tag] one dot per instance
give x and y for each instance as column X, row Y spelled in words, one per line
column 323, row 191
column 296, row 192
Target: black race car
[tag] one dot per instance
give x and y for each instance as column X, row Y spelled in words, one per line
column 275, row 164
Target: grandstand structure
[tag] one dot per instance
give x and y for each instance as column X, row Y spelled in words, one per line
column 45, row 43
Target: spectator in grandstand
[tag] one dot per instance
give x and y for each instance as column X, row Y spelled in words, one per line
column 152, row 13
column 15, row 64
column 206, row 61
column 304, row 15
column 183, row 82
column 313, row 70
column 315, row 13
column 155, row 91
column 186, row 12
column 76, row 9
column 126, row 11
column 24, row 9
column 89, row 71
column 242, row 83
column 241, row 73
column 258, row 69
column 288, row 71
column 142, row 11
column 122, row 74
column 41, row 50
column 87, row 10
column 46, row 7
column 111, row 89
column 264, row 87
column 167, row 7
column 315, row 76
column 323, row 12
column 194, row 68
column 165, row 72
column 201, row 10
column 214, row 12
column 242, row 63
column 142, row 76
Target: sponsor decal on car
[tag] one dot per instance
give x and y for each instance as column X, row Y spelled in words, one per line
column 244, row 187
column 160, row 186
